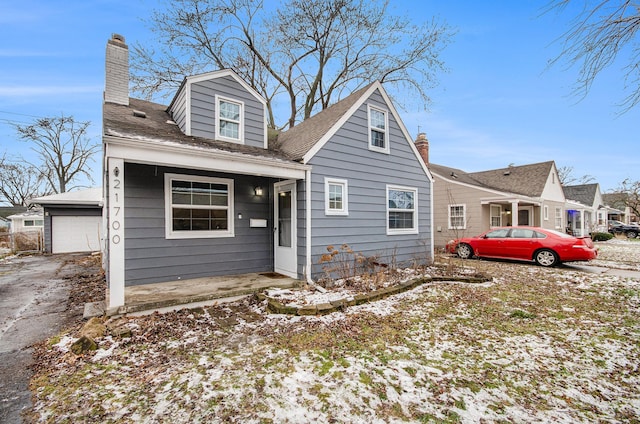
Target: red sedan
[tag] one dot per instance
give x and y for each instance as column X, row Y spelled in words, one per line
column 545, row 247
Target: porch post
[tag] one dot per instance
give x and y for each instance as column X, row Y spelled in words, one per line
column 514, row 213
column 115, row 232
column 307, row 217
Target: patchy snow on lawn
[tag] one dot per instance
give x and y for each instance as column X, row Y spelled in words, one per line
column 618, row 253
column 534, row 345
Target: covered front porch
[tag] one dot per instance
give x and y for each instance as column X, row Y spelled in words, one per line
column 506, row 212
column 173, row 295
column 188, row 226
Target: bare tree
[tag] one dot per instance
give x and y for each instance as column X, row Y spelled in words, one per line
column 20, row 182
column 597, row 37
column 565, row 175
column 63, row 149
column 631, row 195
column 307, row 52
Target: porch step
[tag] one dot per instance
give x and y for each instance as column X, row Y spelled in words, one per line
column 165, row 297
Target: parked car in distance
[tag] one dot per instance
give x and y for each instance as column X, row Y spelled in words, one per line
column 533, row 244
column 630, row 230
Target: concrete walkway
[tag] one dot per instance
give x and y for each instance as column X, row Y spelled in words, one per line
column 626, row 273
column 168, row 296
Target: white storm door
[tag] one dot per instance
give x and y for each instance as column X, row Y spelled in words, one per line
column 284, row 231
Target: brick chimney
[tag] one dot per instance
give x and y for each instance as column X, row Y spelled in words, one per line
column 117, row 71
column 422, row 144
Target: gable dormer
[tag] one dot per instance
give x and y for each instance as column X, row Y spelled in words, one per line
column 220, row 106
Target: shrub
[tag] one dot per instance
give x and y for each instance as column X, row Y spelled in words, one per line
column 601, row 236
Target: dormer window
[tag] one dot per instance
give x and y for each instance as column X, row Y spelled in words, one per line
column 378, row 130
column 229, row 120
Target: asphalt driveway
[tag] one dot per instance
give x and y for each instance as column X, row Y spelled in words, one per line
column 33, row 306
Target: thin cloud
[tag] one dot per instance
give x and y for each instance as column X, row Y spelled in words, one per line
column 47, row 90
column 10, row 53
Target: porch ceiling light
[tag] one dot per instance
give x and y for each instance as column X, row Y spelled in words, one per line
column 258, row 191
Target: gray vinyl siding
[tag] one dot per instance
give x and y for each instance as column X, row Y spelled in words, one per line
column 179, row 109
column 203, row 111
column 71, row 210
column 302, row 227
column 347, row 156
column 151, row 258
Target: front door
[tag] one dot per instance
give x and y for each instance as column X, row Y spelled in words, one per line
column 525, row 215
column 284, row 231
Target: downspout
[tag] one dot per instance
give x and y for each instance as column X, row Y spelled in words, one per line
column 307, row 200
column 432, row 228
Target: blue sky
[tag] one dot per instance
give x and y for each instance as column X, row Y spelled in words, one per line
column 497, row 105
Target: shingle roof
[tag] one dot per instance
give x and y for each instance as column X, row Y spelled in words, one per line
column 297, row 141
column 454, row 174
column 6, row 211
column 528, row 180
column 615, row 200
column 584, row 193
column 119, row 121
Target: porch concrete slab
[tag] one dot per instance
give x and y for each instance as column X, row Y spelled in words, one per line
column 198, row 291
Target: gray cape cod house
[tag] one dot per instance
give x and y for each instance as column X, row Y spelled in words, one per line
column 196, row 188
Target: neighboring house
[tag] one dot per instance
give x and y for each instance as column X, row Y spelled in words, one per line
column 72, row 221
column 585, row 209
column 195, row 189
column 28, row 221
column 618, row 209
column 5, row 212
column 469, row 203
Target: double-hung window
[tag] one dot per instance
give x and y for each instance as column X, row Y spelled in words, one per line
column 229, row 120
column 457, row 217
column 378, row 129
column 558, row 218
column 336, row 197
column 402, row 210
column 198, row 207
column 496, row 215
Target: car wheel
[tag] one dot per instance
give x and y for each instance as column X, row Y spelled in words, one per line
column 632, row 234
column 546, row 257
column 465, row 251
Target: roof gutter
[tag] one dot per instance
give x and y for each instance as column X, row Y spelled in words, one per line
column 173, row 154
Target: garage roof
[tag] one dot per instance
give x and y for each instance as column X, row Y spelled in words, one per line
column 87, row 197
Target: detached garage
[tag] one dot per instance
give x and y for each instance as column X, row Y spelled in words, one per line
column 72, row 221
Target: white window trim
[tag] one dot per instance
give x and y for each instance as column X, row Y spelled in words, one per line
column 399, row 231
column 491, row 207
column 558, row 215
column 240, row 139
column 168, row 209
column 386, row 129
column 345, row 197
column 546, row 212
column 464, row 216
